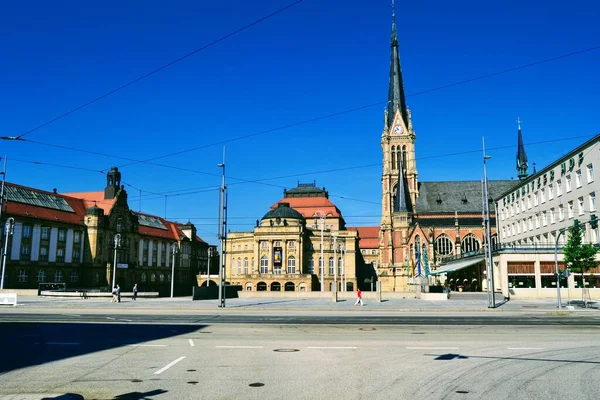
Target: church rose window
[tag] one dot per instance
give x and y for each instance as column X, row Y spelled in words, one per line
column 443, row 245
column 469, row 244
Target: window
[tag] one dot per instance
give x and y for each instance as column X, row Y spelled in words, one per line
column 321, row 266
column 311, row 266
column 246, row 266
column 60, row 255
column 25, row 251
column 590, row 173
column 331, row 266
column 595, row 235
column 570, row 209
column 561, row 213
column 592, row 201
column 58, row 276
column 524, row 225
column 45, row 233
column 41, row 276
column 543, row 196
column 291, row 245
column 578, row 178
column 444, row 245
column 74, row 276
column 517, row 205
column 581, row 203
column 153, row 277
column 26, row 231
column 239, row 271
column 550, row 192
column 161, row 277
column 530, row 223
column 264, row 264
column 535, row 199
column 291, row 268
column 62, row 235
column 76, row 237
column 470, row 244
column 263, row 245
column 76, row 254
column 277, row 244
column 558, row 188
column 145, row 244
column 23, row 276
column 43, row 253
column 340, row 267
column 245, row 247
column 568, row 183
column 537, row 221
column 529, row 202
column 144, row 277
column 552, row 216
column 544, row 218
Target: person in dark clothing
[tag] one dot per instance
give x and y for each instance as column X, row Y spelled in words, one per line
column 118, row 294
column 135, row 292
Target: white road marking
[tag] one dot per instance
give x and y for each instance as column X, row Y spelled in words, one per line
column 126, row 320
column 63, row 344
column 432, row 348
column 111, row 318
column 239, row 347
column 331, row 347
column 71, row 315
column 147, row 345
column 525, row 348
column 191, row 342
column 169, row 365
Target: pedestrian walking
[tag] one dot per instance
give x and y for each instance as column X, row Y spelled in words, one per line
column 135, row 290
column 359, row 298
column 118, row 293
column 114, row 295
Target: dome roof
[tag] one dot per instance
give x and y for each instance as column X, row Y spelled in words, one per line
column 283, row 210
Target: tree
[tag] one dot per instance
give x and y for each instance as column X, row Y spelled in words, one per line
column 579, row 257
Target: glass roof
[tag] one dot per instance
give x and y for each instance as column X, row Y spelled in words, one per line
column 151, row 222
column 27, row 196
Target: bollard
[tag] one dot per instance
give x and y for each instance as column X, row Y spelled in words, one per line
column 334, row 296
column 378, row 292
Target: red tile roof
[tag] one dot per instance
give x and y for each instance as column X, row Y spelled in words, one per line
column 97, row 198
column 368, row 236
column 308, row 206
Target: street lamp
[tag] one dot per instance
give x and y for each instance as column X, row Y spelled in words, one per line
column 117, row 245
column 208, row 267
column 10, row 223
column 335, row 263
column 560, row 232
column 489, row 262
column 174, row 248
column 222, row 231
column 321, row 216
column 343, row 272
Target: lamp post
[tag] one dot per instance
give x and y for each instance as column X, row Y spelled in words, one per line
column 3, row 173
column 117, row 245
column 174, row 251
column 558, row 300
column 335, row 263
column 343, row 273
column 222, row 231
column 10, row 223
column 208, row 267
column 489, row 261
column 321, row 216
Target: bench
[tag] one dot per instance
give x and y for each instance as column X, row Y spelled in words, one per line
column 8, row 299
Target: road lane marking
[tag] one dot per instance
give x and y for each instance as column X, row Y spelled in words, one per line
column 191, row 342
column 63, row 344
column 147, row 345
column 525, row 348
column 432, row 348
column 331, row 347
column 239, row 347
column 126, row 320
column 169, row 365
column 71, row 315
column 111, row 318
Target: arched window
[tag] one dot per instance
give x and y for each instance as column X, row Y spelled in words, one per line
column 144, row 277
column 331, row 266
column 290, row 287
column 239, row 271
column 261, row 286
column 291, row 268
column 311, row 265
column 443, row 245
column 275, row 287
column 245, row 265
column 494, row 241
column 58, row 276
column 161, row 277
column 321, row 272
column 152, row 277
column 394, row 162
column 264, row 265
column 417, row 246
column 248, row 287
column 469, row 244
column 404, row 157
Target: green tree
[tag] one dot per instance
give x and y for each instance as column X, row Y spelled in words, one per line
column 579, row 257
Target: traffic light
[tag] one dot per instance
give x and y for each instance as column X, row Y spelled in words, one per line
column 593, row 221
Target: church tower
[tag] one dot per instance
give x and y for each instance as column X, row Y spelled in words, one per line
column 521, row 156
column 399, row 178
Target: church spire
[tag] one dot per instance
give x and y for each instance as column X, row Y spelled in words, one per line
column 521, row 156
column 396, row 100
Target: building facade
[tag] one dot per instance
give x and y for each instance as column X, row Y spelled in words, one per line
column 300, row 244
column 537, row 212
column 70, row 239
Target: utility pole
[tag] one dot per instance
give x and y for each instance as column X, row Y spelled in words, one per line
column 208, row 267
column 488, row 235
column 2, row 189
column 10, row 223
column 222, row 232
column 117, row 245
column 174, row 251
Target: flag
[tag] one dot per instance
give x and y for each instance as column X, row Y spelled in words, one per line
column 426, row 261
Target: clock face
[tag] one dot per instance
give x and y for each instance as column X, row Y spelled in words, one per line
column 398, row 129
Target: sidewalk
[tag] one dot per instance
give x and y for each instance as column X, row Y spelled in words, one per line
column 186, row 305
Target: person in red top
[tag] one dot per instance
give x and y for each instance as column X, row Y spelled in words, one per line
column 359, row 298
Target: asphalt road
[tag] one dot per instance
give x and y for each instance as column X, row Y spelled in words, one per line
column 257, row 357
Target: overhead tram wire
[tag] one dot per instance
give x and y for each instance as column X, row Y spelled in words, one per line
column 206, row 46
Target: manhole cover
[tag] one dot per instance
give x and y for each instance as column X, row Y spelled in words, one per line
column 367, row 329
column 286, row 350
column 462, row 391
column 256, row 384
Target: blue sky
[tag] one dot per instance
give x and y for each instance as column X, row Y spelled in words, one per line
column 317, row 58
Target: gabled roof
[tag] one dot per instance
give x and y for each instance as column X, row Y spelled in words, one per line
column 459, row 196
column 368, row 236
column 94, row 198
